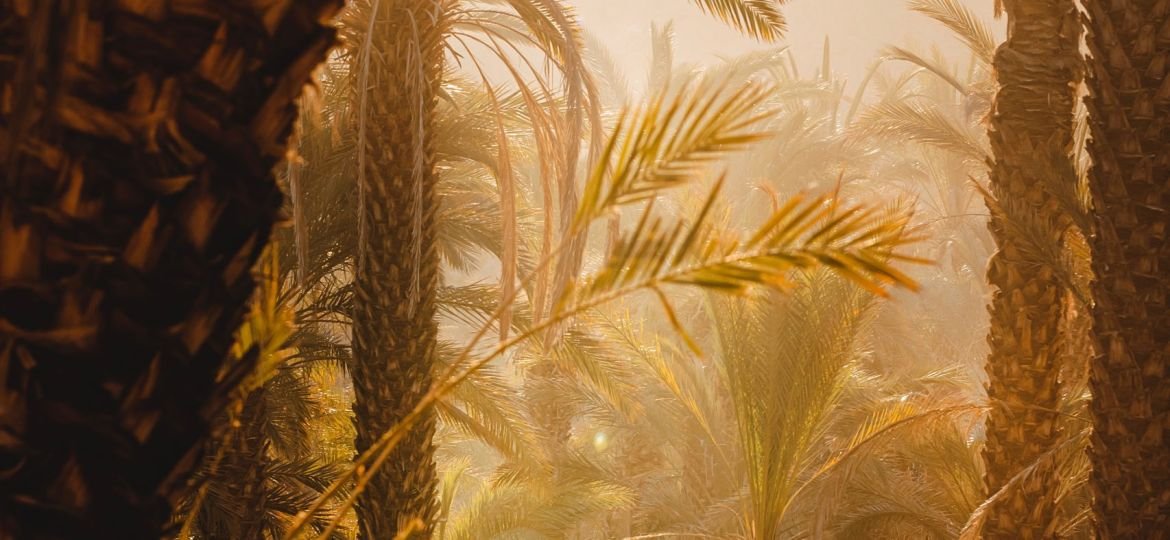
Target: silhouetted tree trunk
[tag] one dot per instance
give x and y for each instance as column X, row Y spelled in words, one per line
column 137, row 140
column 1129, row 106
column 1031, row 137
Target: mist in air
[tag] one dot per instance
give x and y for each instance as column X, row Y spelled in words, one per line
column 584, row 270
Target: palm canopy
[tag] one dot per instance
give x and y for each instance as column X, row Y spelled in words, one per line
column 649, row 417
column 637, row 163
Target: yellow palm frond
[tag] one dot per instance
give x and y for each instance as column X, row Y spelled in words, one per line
column 670, row 141
column 760, row 19
column 966, row 26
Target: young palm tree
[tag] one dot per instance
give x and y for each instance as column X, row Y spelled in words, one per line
column 1130, row 378
column 1031, row 135
column 138, row 142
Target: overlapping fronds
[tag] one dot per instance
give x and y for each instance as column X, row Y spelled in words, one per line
column 695, row 395
column 925, row 123
column 1063, row 459
column 265, row 466
column 661, row 55
column 962, row 22
column 785, row 359
column 511, row 510
column 483, row 409
column 940, row 71
column 671, row 141
column 804, row 233
column 592, row 365
column 760, row 19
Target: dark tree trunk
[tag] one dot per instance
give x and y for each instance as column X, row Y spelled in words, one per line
column 136, row 141
column 1129, row 106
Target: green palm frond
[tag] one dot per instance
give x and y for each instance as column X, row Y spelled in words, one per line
column 760, row 19
column 687, row 388
column 594, row 364
column 784, row 360
column 473, row 305
column 267, row 463
column 670, row 144
column 913, row 480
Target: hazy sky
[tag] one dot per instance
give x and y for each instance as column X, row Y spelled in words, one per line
column 857, row 29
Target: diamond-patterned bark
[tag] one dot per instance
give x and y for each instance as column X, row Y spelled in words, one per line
column 136, row 143
column 1129, row 43
column 1031, row 133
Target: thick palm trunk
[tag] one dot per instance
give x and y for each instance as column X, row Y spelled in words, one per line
column 1129, row 106
column 136, row 142
column 1031, row 133
column 394, row 331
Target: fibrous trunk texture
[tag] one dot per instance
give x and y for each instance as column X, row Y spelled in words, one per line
column 137, row 139
column 1129, row 106
column 1031, row 136
column 394, row 332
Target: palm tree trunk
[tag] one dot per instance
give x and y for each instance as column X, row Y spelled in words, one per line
column 137, row 140
column 1031, row 133
column 394, row 332
column 1129, row 103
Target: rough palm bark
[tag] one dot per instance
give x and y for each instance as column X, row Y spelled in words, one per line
column 1129, row 106
column 394, row 333
column 1031, row 135
column 136, row 143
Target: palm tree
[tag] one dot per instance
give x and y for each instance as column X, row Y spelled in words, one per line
column 398, row 69
column 1031, row 133
column 138, row 143
column 396, row 273
column 1057, row 247
column 400, row 54
column 284, row 439
column 1129, row 376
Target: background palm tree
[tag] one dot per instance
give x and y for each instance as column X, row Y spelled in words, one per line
column 286, row 437
column 396, row 275
column 951, row 120
column 398, row 68
column 617, row 427
column 1131, row 393
column 396, row 272
column 138, row 141
column 648, row 445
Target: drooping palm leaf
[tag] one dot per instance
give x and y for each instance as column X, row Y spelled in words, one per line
column 760, row 19
column 965, row 25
